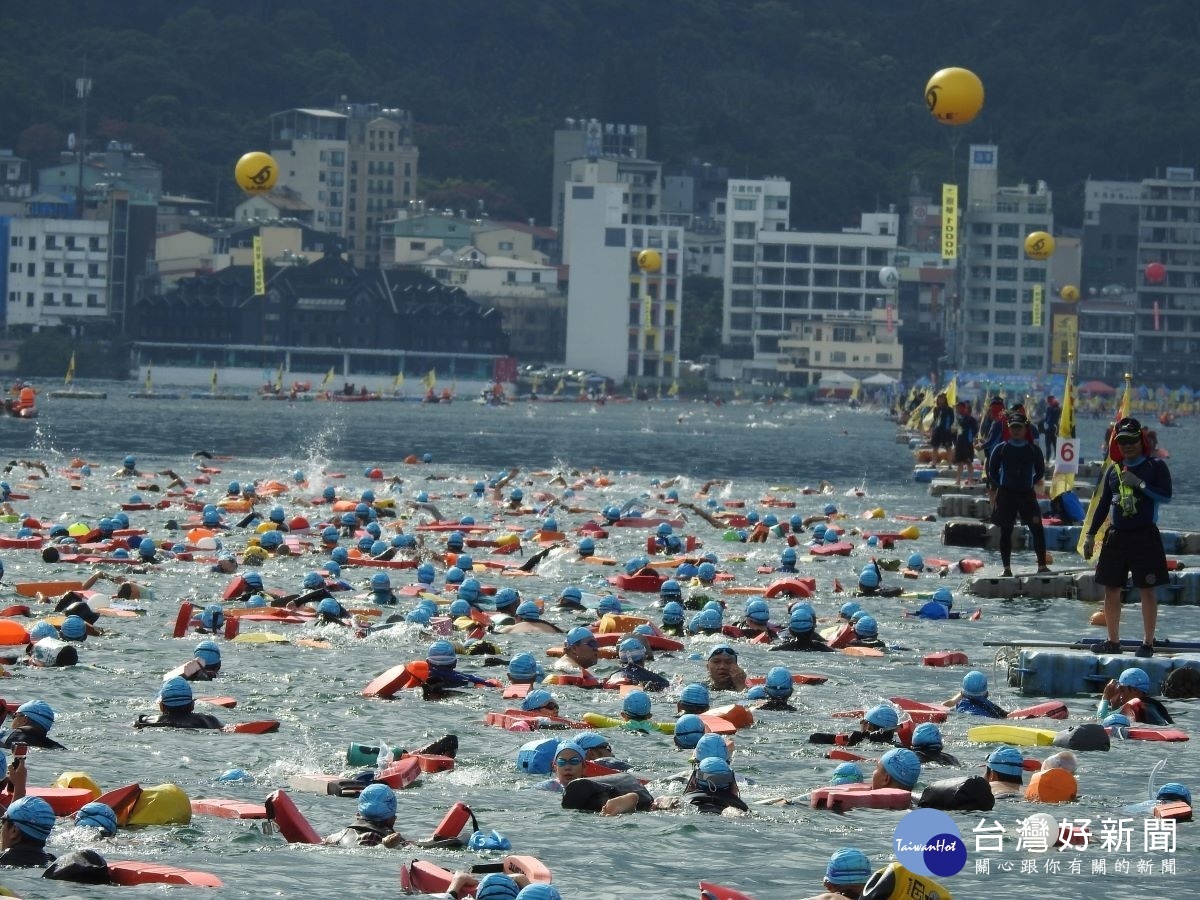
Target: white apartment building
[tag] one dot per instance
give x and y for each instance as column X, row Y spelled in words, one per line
column 778, row 281
column 57, row 272
column 997, row 331
column 621, row 323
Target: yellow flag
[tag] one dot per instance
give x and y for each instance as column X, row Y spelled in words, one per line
column 212, row 382
column 279, row 378
column 398, row 382
column 70, row 372
column 327, row 379
column 430, row 379
column 149, row 385
column 560, row 387
column 1090, row 519
column 673, row 390
column 1066, row 460
column 951, row 392
column 260, row 281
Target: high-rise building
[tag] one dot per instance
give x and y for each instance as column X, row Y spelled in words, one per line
column 590, row 139
column 621, row 322
column 780, row 282
column 57, row 272
column 355, row 165
column 1004, row 310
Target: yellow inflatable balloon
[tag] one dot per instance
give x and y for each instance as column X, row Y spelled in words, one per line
column 649, row 260
column 954, row 96
column 1039, row 245
column 1070, row 293
column 256, row 172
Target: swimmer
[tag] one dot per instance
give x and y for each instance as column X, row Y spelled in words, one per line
column 693, row 699
column 927, row 744
column 529, row 621
column 443, row 672
column 898, row 768
column 581, row 651
column 1131, row 685
column 176, row 707
column 375, row 822
column 568, row 765
column 973, row 698
column 878, row 726
column 1003, row 772
column 778, row 689
column 801, row 634
column 27, row 826
column 632, row 654
column 31, row 726
column 846, row 875
column 724, row 673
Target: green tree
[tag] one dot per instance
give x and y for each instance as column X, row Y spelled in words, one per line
column 701, row 326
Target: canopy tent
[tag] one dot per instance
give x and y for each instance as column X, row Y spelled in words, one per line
column 837, row 379
column 1096, row 387
column 880, row 380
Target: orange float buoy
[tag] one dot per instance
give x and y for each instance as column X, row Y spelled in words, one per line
column 1098, row 618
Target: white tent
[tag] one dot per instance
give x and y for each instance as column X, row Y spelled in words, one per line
column 837, row 379
column 880, row 380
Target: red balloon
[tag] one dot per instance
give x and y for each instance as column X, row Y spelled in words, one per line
column 1156, row 273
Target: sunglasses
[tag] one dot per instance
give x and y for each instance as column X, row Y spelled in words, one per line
column 569, row 761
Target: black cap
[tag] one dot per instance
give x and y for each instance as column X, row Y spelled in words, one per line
column 1128, row 426
column 1018, row 418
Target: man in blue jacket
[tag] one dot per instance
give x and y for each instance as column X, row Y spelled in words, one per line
column 1015, row 469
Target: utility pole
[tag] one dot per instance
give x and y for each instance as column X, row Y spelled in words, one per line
column 83, row 87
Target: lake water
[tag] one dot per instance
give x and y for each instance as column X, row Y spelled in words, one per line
column 778, row 852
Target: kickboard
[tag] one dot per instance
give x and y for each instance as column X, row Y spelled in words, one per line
column 1011, row 734
column 265, row 726
column 131, row 872
column 260, row 637
column 64, row 801
column 289, row 820
column 46, row 588
column 400, row 774
column 228, row 809
column 183, row 619
column 1052, row 709
column 394, row 679
column 329, row 785
column 1137, row 733
column 710, row 891
column 223, row 702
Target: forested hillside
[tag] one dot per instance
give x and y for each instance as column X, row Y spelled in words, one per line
column 829, row 94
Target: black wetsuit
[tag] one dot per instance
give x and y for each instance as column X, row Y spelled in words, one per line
column 362, row 833
column 31, row 735
column 807, row 643
column 179, row 720
column 26, row 854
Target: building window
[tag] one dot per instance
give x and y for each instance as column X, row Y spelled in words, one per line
column 579, row 191
column 1008, row 230
column 1006, row 273
column 1032, row 363
column 1004, row 339
column 741, row 298
column 981, row 228
column 740, row 321
column 1003, row 361
column 416, row 245
column 837, row 356
column 745, row 203
column 51, row 269
column 843, row 334
column 69, row 299
column 743, row 231
column 1003, row 317
column 614, row 237
column 93, row 301
column 93, row 270
column 506, row 245
column 743, row 275
column 51, row 242
column 47, row 299
column 883, row 359
column 94, row 243
column 743, row 252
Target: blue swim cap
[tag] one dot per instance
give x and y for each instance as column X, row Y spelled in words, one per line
column 903, row 766
column 882, row 716
column 686, row 570
column 721, row 650
column 664, row 528
column 757, row 610
column 377, row 803
column 706, row 572
column 330, row 609
column 670, row 590
column 130, row 462
column 636, row 704
column 587, row 547
column 373, row 529
column 496, row 886
column 332, row 568
column 850, row 608
column 1175, row 791
column 41, row 630
column 802, row 619
column 752, row 517
column 459, row 608
column 516, row 495
column 39, row 712
column 1006, row 761
column 97, row 815
column 1116, row 720
column 846, row 773
column 944, row 596
column 694, row 694
column 788, row 556
column 848, row 866
column 589, row 740
column 175, row 693
column 426, row 457
column 550, row 524
column 270, row 540
column 367, row 496
column 506, row 597
column 348, row 520
column 208, row 653
column 426, row 573
column 757, row 692
column 213, row 617
column 454, row 575
column 631, row 650
column 442, row 654
column 539, row 891
column 578, row 635
column 365, row 544
column 73, row 629
column 672, row 613
column 779, row 684
column 257, row 600
column 523, row 666
column 609, row 604
column 707, row 620
column 469, row 590
column 313, row 580
column 1135, row 678
column 211, row 516
column 927, row 735
column 856, row 615
column 329, row 493
column 536, row 700
column 713, row 774
column 455, row 539
column 340, row 555
column 869, row 578
column 689, row 729
column 866, row 627
column 572, row 594
column 362, row 511
column 529, row 610
column 403, row 541
column 974, row 684
column 873, row 541
column 830, row 509
column 819, row 530
column 711, row 745
column 147, row 547
column 831, row 536
column 916, row 561
column 277, row 514
column 298, row 476
column 933, row 610
column 381, row 582
column 33, row 816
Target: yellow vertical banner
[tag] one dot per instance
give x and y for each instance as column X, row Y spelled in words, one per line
column 1035, row 314
column 260, row 281
column 949, row 221
column 648, row 314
